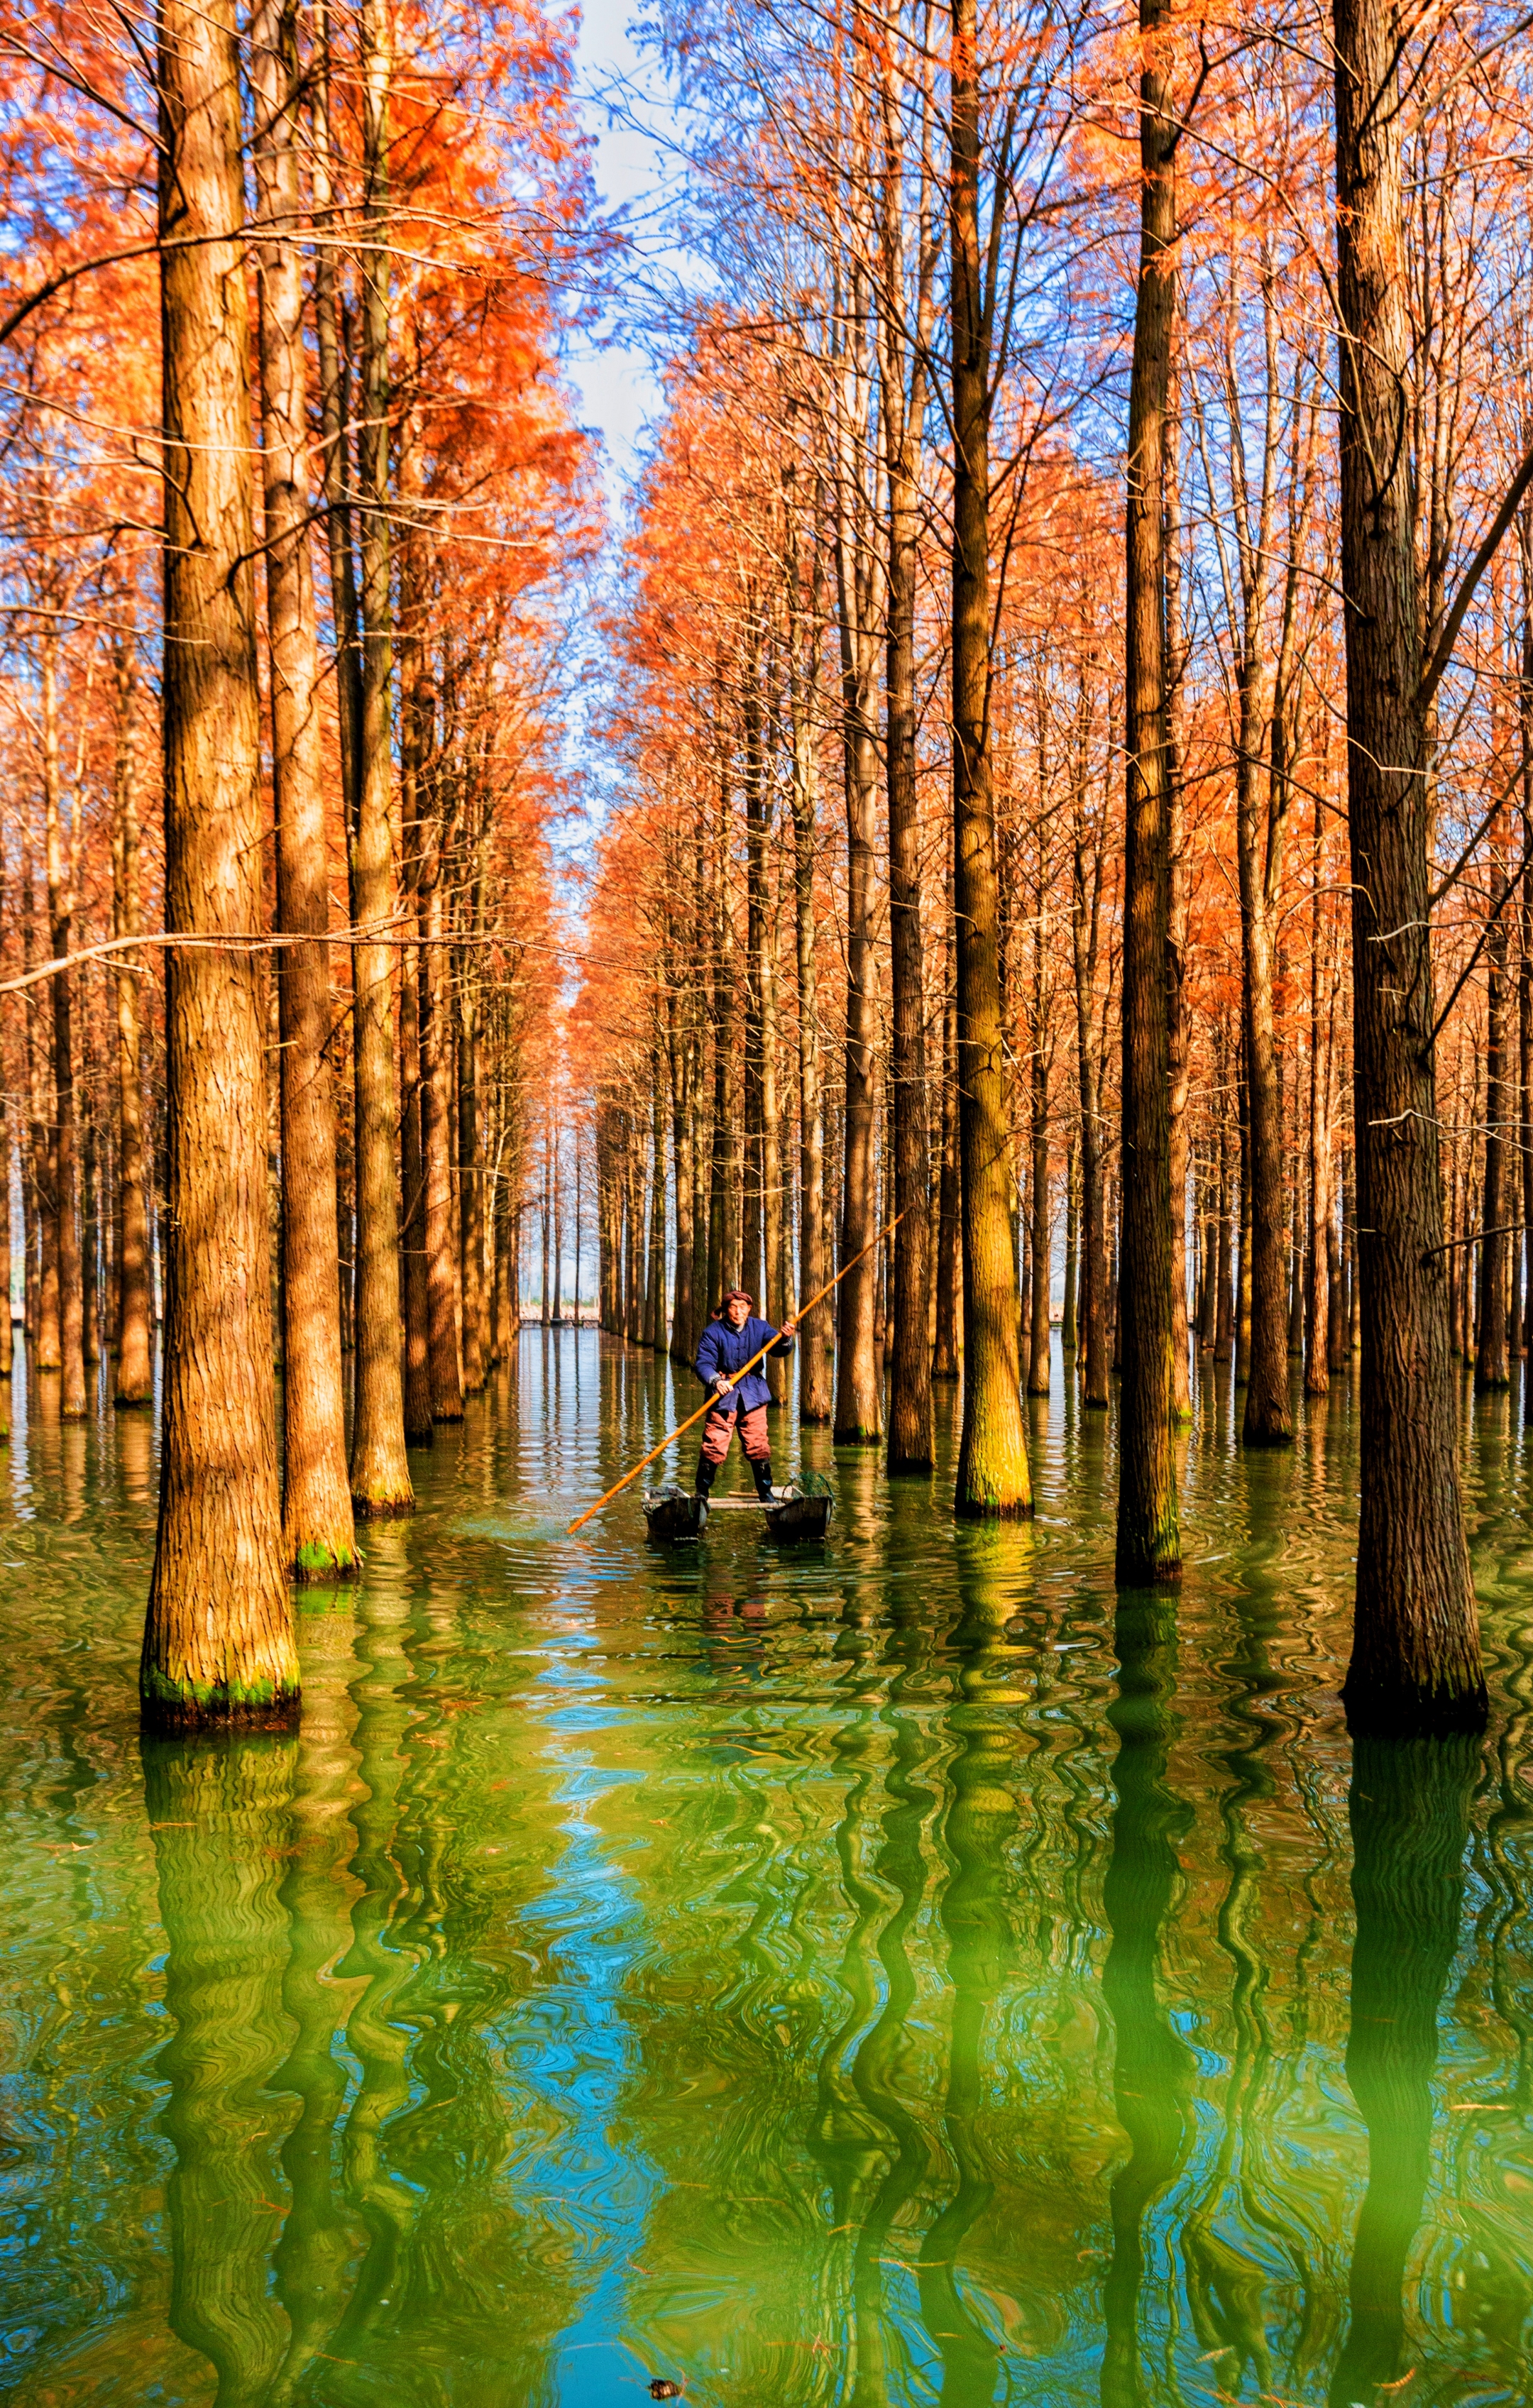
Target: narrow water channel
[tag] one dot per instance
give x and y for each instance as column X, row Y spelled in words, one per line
column 891, row 1972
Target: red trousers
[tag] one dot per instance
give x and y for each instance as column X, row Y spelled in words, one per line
column 719, row 1429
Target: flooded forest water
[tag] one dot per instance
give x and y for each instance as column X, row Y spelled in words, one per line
column 889, row 1971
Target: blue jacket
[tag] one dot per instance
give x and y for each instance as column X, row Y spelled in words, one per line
column 723, row 1348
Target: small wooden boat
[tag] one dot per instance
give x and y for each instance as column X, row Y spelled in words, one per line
column 797, row 1512
column 793, row 1512
column 674, row 1514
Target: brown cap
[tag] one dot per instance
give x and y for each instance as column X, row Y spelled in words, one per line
column 744, row 1293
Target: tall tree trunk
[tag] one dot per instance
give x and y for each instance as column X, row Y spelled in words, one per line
column 655, row 1332
column 859, row 1414
column 948, row 1210
column 702, row 1127
column 64, row 1147
column 1524, row 966
column 992, row 1472
column 218, row 1636
column 1041, row 1235
column 634, row 1324
column 724, row 1235
column 1067, row 1334
column 444, row 1361
column 90, row 1217
column 1242, row 1279
column 1491, row 1369
column 1292, row 1277
column 679, row 1066
column 40, row 1238
column 1317, row 1303
column 1416, row 1659
column 814, row 1369
column 1149, row 1546
column 1177, row 1034
column 774, row 1220
column 334, row 360
column 134, row 1384
column 1224, row 1317
column 1086, row 927
column 7, row 1332
column 415, row 712
column 903, row 413
column 471, row 1164
column 753, row 1268
column 380, row 1482
column 319, row 1537
column 1267, row 1420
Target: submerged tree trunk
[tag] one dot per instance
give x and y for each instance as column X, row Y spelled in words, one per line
column 993, row 1470
column 319, row 1537
column 1149, row 1547
column 1416, row 1659
column 380, row 1482
column 218, row 1638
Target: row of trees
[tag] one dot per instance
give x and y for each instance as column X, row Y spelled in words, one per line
column 294, row 1058
column 1075, row 679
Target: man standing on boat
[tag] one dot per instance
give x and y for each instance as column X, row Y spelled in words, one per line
column 726, row 1345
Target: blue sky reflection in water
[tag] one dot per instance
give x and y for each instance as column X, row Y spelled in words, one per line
column 888, row 1973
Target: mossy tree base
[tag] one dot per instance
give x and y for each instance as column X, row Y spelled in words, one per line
column 181, row 1709
column 381, row 1509
column 969, row 1508
column 320, row 1563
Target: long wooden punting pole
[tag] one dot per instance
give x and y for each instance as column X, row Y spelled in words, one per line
column 708, row 1403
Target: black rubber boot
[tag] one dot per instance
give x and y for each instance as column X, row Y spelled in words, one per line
column 703, row 1486
column 762, row 1473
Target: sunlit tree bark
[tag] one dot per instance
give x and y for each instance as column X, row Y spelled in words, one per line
column 217, row 1640
column 992, row 1472
column 318, row 1532
column 380, row 1482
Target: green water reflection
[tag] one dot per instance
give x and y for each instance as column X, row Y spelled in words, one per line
column 895, row 1972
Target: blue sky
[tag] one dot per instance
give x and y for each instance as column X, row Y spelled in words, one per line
column 617, row 388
